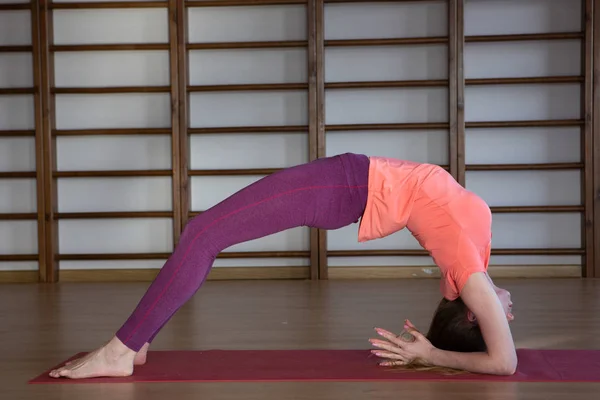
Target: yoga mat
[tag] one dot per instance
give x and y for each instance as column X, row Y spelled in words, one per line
column 333, row 365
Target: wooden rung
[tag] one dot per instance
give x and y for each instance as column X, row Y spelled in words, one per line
column 248, row 87
column 524, row 80
column 249, row 129
column 114, row 214
column 15, row 48
column 386, row 42
column 110, row 90
column 17, row 174
column 523, row 167
column 525, row 124
column 388, row 127
column 232, row 172
column 161, row 256
column 108, row 4
column 525, row 37
column 17, row 216
column 536, row 209
column 495, row 252
column 9, row 91
column 107, row 132
column 15, row 6
column 18, row 257
column 247, row 45
column 110, row 174
column 387, row 84
column 109, row 47
column 16, row 133
column 243, row 3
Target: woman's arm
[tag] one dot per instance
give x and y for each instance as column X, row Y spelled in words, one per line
column 480, row 297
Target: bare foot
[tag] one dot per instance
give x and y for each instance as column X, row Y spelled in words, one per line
column 140, row 356
column 112, row 360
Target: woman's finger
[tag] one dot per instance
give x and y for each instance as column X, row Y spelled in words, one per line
column 385, row 345
column 388, row 354
column 389, row 336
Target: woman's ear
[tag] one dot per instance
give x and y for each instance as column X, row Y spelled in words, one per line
column 471, row 317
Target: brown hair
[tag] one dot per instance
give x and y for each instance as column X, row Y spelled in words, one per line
column 451, row 330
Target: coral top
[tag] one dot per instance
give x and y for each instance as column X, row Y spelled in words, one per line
column 450, row 222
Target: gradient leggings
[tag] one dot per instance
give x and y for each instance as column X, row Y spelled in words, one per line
column 328, row 193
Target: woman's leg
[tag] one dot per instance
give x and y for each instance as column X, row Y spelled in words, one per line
column 328, row 193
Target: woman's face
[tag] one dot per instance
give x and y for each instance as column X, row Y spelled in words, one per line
column 504, row 296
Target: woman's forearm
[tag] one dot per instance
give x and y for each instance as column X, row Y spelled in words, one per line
column 481, row 363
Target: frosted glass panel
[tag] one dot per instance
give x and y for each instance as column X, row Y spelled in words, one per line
column 240, row 24
column 521, row 230
column 346, row 239
column 112, row 68
column 526, row 188
column 116, row 194
column 222, row 67
column 18, row 237
column 115, row 236
column 248, row 151
column 206, row 191
column 18, row 266
column 146, row 110
column 113, row 153
column 149, row 25
column 499, row 17
column 220, row 109
column 343, row 64
column 422, row 146
column 386, row 19
column 386, row 105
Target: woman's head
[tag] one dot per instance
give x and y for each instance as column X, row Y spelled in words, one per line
column 453, row 328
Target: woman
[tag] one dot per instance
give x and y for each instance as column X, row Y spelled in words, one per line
column 470, row 328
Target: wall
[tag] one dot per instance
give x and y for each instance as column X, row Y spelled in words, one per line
column 114, row 148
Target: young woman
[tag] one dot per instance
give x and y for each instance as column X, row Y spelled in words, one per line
column 470, row 327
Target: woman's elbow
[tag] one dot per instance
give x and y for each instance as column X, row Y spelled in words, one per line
column 507, row 367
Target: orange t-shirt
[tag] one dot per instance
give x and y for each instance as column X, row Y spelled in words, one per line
column 450, row 222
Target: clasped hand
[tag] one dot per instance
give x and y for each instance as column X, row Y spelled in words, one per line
column 402, row 349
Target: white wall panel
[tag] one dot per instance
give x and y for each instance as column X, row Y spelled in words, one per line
column 523, row 145
column 18, row 237
column 377, row 20
column 386, row 63
column 145, row 110
column 500, row 17
column 526, row 188
column 16, row 70
column 240, row 24
column 429, row 146
column 17, row 154
column 347, row 239
column 206, row 191
column 522, row 102
column 144, row 25
column 222, row 67
column 114, row 194
column 386, row 105
column 115, row 236
column 88, row 153
column 15, row 28
column 17, row 112
column 234, row 151
column 220, row 109
column 17, row 195
column 522, row 59
column 111, row 68
column 536, row 230
column 18, row 266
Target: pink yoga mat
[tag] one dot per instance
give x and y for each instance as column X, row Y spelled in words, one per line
column 333, row 365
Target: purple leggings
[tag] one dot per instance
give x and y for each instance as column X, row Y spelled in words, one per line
column 328, row 193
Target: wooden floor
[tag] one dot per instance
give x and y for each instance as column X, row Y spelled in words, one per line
column 42, row 325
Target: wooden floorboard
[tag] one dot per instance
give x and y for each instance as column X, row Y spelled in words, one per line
column 44, row 324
